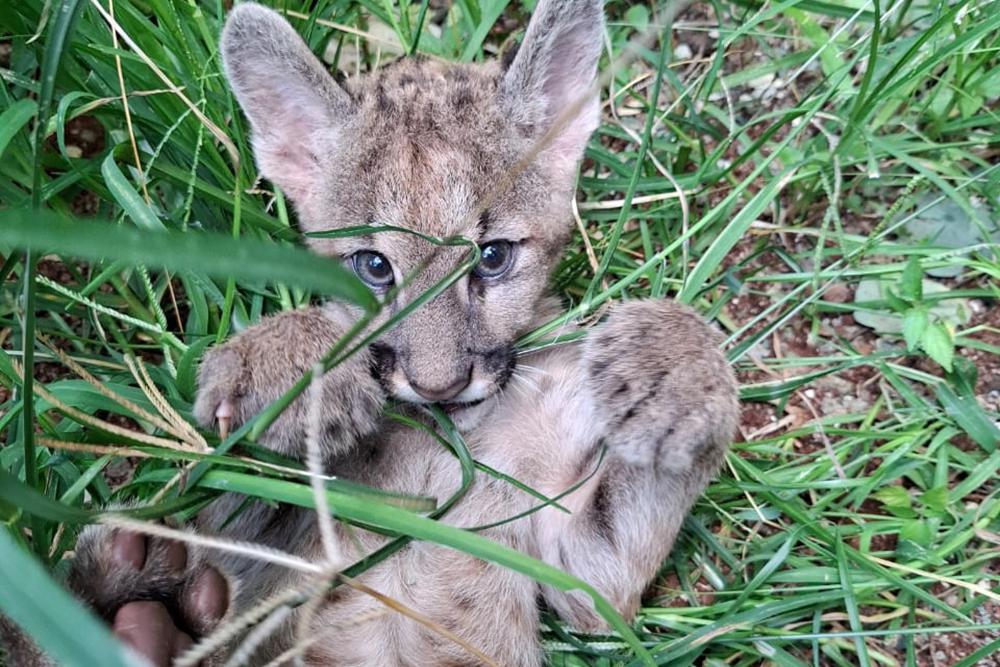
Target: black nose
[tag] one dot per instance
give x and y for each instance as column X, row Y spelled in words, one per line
column 440, row 394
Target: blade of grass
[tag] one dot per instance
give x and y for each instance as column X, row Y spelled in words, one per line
column 213, row 254
column 55, row 44
column 15, row 117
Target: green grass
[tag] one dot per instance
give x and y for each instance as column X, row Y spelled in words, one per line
column 859, row 516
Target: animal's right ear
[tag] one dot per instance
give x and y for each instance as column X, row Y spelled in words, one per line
column 294, row 106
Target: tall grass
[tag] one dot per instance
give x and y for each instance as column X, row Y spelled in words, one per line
column 762, row 162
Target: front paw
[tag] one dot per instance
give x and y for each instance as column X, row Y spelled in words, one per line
column 665, row 390
column 238, row 380
column 157, row 594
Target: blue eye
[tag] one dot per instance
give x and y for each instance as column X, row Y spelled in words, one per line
column 495, row 259
column 373, row 268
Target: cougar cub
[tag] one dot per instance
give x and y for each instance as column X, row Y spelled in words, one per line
column 420, row 144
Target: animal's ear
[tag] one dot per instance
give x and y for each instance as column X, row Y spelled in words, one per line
column 554, row 71
column 294, row 106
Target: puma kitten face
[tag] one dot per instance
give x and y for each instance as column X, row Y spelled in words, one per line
column 427, row 145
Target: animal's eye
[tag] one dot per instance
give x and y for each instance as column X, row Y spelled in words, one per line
column 495, row 259
column 373, row 268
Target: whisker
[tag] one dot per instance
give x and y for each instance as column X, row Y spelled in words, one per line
column 532, row 369
column 530, row 382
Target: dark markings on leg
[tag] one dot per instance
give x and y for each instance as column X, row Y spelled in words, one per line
column 638, row 405
column 384, row 104
column 461, row 98
column 600, row 512
column 334, row 432
column 435, row 639
column 705, row 447
column 597, row 367
column 662, row 441
column 465, row 602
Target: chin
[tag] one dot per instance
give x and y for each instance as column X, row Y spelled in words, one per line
column 467, row 416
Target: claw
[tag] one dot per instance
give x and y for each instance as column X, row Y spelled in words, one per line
column 224, row 416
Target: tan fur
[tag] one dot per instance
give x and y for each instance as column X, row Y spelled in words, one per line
column 421, row 144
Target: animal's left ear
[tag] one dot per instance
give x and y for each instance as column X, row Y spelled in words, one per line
column 554, row 71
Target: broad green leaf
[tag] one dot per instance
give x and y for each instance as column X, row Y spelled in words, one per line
column 938, row 344
column 916, row 531
column 896, row 303
column 873, row 301
column 936, row 499
column 59, row 624
column 910, row 550
column 896, row 500
column 911, row 280
column 201, row 252
column 914, row 325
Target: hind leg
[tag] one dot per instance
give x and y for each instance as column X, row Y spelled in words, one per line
column 157, row 594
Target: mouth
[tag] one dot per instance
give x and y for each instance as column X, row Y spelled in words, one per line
column 452, row 408
column 496, row 371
